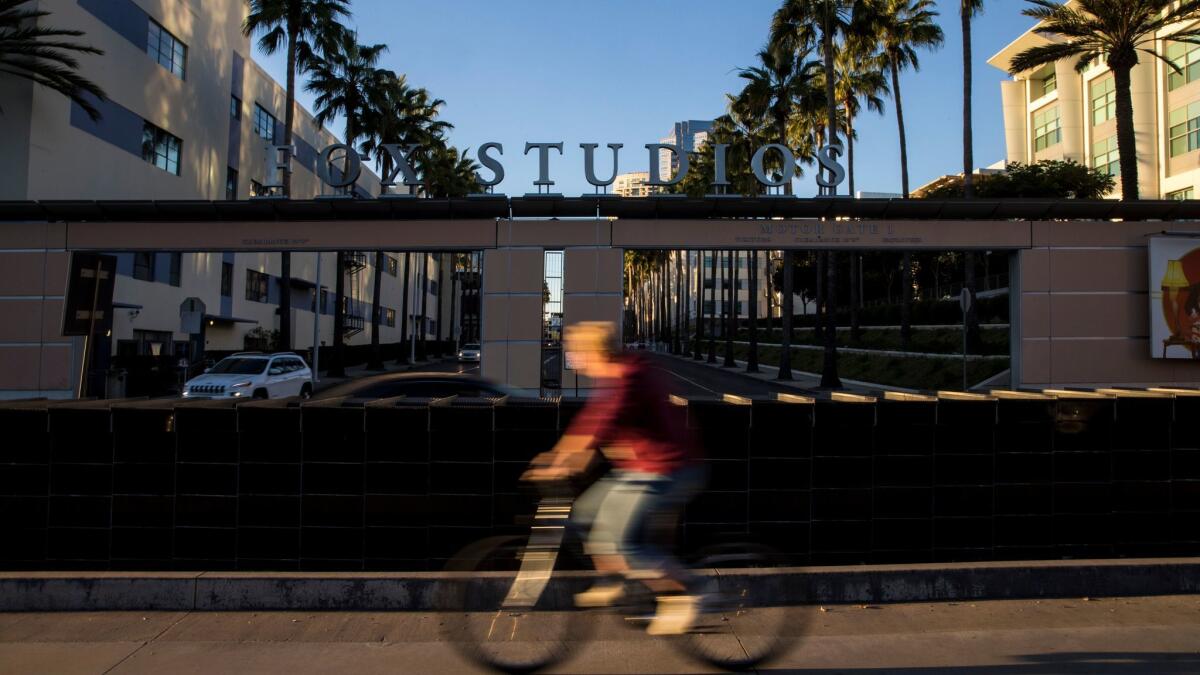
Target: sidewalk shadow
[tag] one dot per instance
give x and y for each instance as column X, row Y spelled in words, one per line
column 1066, row 663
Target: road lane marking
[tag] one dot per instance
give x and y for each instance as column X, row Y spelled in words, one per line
column 693, row 382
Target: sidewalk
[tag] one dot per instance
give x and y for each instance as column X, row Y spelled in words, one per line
column 418, row 591
column 1122, row 636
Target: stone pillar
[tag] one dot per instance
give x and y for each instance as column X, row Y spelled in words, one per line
column 512, row 316
column 1016, row 121
column 1145, row 127
column 592, row 291
column 1071, row 111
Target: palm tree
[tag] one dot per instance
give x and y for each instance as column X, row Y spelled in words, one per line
column 1093, row 31
column 345, row 80
column 967, row 10
column 295, row 26
column 46, row 55
column 901, row 27
column 784, row 81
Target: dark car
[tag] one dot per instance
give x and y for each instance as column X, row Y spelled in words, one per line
column 417, row 385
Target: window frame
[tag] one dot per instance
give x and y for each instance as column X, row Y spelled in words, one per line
column 161, row 148
column 175, row 269
column 149, row 261
column 257, row 123
column 1047, row 128
column 258, row 286
column 1190, row 56
column 174, row 55
column 1181, row 195
column 1103, row 101
column 1110, row 155
column 1186, row 130
column 231, row 184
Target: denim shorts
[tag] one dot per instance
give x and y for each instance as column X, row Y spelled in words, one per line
column 623, row 511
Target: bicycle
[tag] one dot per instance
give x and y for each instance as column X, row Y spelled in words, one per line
column 509, row 605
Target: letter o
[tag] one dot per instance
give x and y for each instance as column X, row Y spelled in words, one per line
column 789, row 165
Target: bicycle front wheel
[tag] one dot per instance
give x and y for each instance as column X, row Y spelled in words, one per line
column 737, row 628
column 499, row 614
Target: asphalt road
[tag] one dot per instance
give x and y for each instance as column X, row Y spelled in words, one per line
column 681, row 377
column 1122, row 636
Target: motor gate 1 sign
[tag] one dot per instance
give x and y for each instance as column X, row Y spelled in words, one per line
column 1175, row 297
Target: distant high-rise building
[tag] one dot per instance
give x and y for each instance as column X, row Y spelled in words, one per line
column 690, row 135
column 634, row 185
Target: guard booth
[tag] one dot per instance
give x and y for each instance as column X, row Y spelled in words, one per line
column 1081, row 292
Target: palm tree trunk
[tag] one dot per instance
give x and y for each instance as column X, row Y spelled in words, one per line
column 900, row 125
column 730, row 312
column 830, row 100
column 403, row 358
column 968, row 140
column 829, row 371
column 855, row 297
column 421, row 352
column 453, row 298
column 752, row 274
column 698, row 354
column 1126, row 141
column 338, row 367
column 905, row 300
column 677, row 334
column 850, row 148
column 376, row 285
column 819, row 324
column 285, row 257
column 972, row 318
column 712, row 326
column 785, row 339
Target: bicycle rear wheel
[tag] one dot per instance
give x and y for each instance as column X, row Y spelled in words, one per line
column 738, row 629
column 499, row 618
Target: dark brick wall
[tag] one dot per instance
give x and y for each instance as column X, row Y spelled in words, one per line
column 401, row 484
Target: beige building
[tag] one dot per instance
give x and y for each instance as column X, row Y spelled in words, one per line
column 1056, row 113
column 633, row 184
column 190, row 116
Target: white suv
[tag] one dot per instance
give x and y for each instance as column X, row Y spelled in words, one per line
column 253, row 375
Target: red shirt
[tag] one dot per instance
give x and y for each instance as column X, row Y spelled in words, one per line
column 634, row 413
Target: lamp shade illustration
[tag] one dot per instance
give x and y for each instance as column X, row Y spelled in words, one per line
column 1174, row 282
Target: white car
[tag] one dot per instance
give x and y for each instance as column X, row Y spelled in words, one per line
column 469, row 353
column 253, row 375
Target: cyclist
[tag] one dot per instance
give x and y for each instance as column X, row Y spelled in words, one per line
column 656, row 473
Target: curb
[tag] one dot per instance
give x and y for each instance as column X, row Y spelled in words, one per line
column 383, row 591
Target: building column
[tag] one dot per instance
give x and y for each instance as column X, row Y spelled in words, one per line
column 592, row 291
column 511, row 339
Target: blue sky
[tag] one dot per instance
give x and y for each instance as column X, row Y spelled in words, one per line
column 624, row 70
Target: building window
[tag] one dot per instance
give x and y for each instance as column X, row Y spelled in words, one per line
column 391, row 265
column 160, row 148
column 231, row 176
column 1046, row 131
column 235, row 108
column 226, row 280
column 1047, row 83
column 257, row 189
column 324, row 301
column 1104, row 100
column 264, row 123
column 433, row 286
column 173, row 276
column 166, row 49
column 1186, row 57
column 1180, row 195
column 143, row 266
column 389, row 317
column 258, row 286
column 1105, row 156
column 1185, row 130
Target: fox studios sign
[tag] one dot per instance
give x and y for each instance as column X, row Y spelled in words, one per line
column 340, row 167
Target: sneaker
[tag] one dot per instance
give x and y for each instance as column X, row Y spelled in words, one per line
column 601, row 595
column 675, row 616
